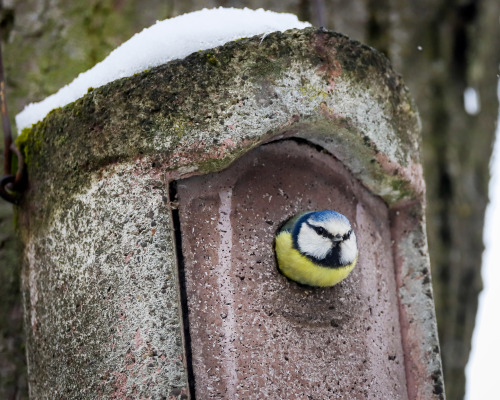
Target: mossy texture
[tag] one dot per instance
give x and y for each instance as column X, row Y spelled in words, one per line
column 95, row 219
column 311, row 82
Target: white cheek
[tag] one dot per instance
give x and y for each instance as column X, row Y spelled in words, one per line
column 310, row 243
column 348, row 250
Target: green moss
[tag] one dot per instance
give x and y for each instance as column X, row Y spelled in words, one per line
column 265, row 66
column 212, row 60
column 312, row 93
column 218, row 164
column 401, row 187
column 179, row 127
column 22, row 143
column 161, row 112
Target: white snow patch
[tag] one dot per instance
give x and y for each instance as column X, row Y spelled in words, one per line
column 482, row 369
column 472, row 102
column 160, row 43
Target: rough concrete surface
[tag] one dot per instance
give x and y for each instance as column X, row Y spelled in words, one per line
column 99, row 173
column 254, row 333
column 101, row 295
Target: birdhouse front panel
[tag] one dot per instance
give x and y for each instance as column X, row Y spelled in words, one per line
column 253, row 332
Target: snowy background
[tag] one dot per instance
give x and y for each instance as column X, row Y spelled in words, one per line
column 483, row 370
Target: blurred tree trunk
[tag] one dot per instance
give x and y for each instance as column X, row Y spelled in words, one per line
column 440, row 47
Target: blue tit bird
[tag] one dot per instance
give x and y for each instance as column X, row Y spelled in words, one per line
column 316, row 248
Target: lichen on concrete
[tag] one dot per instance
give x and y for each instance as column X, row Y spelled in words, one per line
column 99, row 171
column 102, row 295
column 417, row 315
column 257, row 86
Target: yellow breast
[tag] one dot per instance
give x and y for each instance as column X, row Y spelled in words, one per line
column 300, row 269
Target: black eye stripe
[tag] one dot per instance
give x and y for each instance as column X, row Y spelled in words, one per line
column 347, row 235
column 323, row 232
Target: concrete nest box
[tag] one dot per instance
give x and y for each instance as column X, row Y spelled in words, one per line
column 151, row 213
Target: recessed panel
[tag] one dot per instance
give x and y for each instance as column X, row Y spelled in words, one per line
column 256, row 334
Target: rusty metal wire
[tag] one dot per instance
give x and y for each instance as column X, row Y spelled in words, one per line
column 11, row 184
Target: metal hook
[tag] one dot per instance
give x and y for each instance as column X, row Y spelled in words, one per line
column 6, row 181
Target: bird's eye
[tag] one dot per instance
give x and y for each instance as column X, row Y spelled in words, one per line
column 321, row 231
column 338, row 236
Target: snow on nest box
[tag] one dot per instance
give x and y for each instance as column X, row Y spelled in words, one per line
column 160, row 43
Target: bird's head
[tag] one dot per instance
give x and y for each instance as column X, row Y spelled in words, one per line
column 325, row 237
